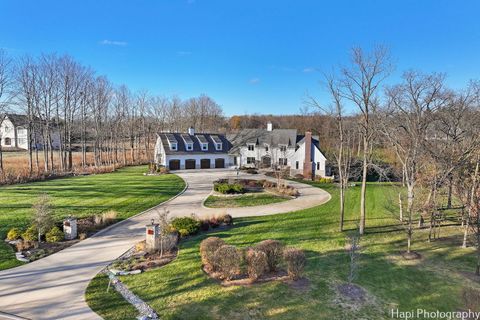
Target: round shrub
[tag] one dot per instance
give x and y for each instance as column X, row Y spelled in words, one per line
column 208, row 248
column 257, row 263
column 31, row 234
column 227, row 220
column 227, row 260
column 274, row 251
column 186, row 225
column 14, row 234
column 54, row 235
column 295, row 259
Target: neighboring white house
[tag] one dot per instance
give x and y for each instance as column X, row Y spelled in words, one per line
column 14, row 133
column 261, row 148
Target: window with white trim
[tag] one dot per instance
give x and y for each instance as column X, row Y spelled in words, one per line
column 318, row 165
column 251, row 147
column 173, row 146
column 204, row 146
column 296, row 165
column 283, row 148
column 250, row 160
column 218, row 146
column 282, row 161
column 189, row 146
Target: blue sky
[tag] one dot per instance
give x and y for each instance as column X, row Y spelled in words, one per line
column 250, row 56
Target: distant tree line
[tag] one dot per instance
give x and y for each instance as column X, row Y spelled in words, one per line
column 91, row 114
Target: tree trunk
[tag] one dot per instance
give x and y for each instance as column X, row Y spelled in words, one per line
column 401, row 206
column 364, row 188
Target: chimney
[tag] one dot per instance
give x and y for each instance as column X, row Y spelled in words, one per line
column 307, row 164
column 269, row 126
column 191, row 131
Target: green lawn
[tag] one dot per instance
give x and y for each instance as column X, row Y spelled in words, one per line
column 126, row 191
column 181, row 290
column 246, row 200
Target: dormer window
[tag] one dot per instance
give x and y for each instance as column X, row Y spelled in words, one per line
column 173, row 146
column 189, row 146
column 283, row 148
column 204, row 146
column 218, row 143
column 218, row 146
column 251, row 147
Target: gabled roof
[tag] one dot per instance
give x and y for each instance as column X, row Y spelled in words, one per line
column 18, row 120
column 273, row 138
column 180, row 138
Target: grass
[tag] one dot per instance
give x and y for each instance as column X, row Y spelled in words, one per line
column 180, row 290
column 111, row 303
column 247, row 200
column 127, row 191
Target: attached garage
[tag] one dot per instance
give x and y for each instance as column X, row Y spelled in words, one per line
column 174, row 164
column 190, row 164
column 220, row 163
column 205, row 164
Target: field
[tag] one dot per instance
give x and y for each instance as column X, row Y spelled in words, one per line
column 181, row 290
column 247, row 200
column 126, row 191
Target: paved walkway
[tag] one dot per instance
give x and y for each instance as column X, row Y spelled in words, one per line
column 54, row 287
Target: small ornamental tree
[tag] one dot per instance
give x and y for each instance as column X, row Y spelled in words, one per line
column 42, row 215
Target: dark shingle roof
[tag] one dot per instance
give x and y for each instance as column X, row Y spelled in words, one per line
column 197, row 149
column 18, row 120
column 273, row 138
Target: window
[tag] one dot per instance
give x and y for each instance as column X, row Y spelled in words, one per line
column 6, row 128
column 189, row 146
column 283, row 148
column 266, row 147
column 296, row 165
column 250, row 160
column 251, row 147
column 218, row 146
column 318, row 165
column 204, row 146
column 282, row 161
column 173, row 146
column 8, row 141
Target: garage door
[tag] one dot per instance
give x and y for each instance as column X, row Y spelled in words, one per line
column 220, row 163
column 205, row 163
column 174, row 164
column 190, row 164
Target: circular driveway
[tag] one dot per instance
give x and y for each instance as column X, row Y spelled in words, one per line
column 54, row 287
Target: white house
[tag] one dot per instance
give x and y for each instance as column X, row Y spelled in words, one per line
column 260, row 148
column 14, row 133
column 279, row 148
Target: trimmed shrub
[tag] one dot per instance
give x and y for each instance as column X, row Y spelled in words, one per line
column 227, row 261
column 325, row 180
column 274, row 251
column 54, row 235
column 295, row 259
column 257, row 263
column 31, row 234
column 208, row 248
column 228, row 188
column 227, row 220
column 14, row 234
column 186, row 225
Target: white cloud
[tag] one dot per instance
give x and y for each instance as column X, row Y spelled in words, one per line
column 113, row 43
column 254, row 80
column 309, row 69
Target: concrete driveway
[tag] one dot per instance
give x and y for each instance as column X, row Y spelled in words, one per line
column 54, row 287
